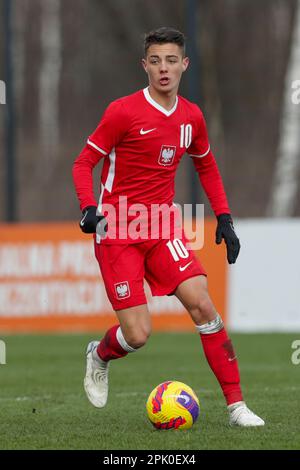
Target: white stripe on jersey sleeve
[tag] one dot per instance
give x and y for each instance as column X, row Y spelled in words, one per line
column 96, row 147
column 99, row 208
column 201, row 156
column 111, row 172
column 107, row 185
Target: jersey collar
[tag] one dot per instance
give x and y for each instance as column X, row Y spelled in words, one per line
column 158, row 106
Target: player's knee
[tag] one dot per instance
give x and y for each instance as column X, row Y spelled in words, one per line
column 137, row 339
column 202, row 309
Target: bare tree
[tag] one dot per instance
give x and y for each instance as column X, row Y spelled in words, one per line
column 286, row 179
column 49, row 81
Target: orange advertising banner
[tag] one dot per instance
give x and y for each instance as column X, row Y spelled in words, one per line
column 50, row 282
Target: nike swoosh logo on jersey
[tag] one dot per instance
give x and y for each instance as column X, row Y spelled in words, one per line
column 182, row 268
column 142, row 132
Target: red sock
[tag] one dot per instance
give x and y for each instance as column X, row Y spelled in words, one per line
column 109, row 347
column 221, row 357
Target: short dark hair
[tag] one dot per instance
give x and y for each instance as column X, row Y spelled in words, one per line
column 162, row 36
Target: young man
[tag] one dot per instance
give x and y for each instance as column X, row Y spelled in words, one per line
column 142, row 138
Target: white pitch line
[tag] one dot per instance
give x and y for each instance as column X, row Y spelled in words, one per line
column 45, row 397
column 130, row 394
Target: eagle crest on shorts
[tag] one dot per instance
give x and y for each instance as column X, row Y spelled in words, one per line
column 122, row 290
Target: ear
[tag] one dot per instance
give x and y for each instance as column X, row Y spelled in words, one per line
column 144, row 64
column 185, row 63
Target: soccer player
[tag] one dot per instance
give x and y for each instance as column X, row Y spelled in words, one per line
column 141, row 138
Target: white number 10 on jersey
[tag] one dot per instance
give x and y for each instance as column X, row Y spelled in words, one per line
column 185, row 135
column 177, row 249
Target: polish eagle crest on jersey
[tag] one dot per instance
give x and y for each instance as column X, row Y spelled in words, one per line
column 167, row 154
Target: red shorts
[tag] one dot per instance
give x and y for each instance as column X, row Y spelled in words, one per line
column 163, row 263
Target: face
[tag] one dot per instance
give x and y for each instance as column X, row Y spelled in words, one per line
column 164, row 65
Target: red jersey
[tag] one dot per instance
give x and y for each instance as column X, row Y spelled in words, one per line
column 142, row 144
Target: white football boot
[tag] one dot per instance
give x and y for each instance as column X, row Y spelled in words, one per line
column 240, row 415
column 96, row 377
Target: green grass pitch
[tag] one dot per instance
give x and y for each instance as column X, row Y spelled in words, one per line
column 43, row 405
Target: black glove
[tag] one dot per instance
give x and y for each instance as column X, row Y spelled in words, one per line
column 90, row 220
column 225, row 230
